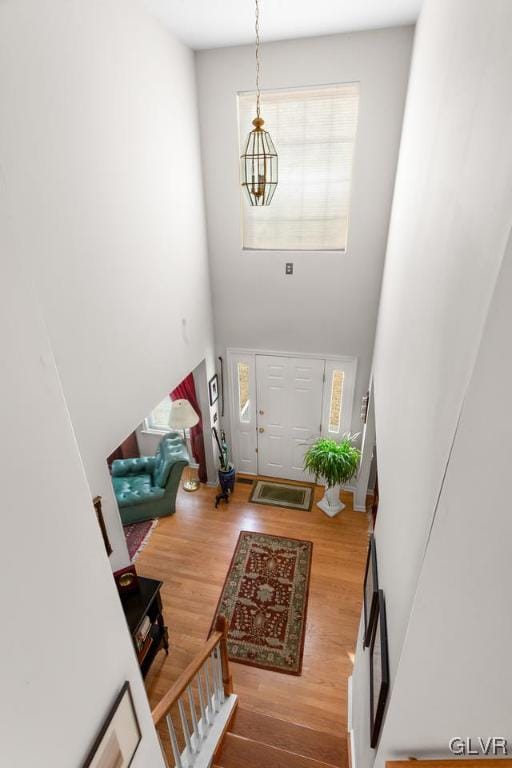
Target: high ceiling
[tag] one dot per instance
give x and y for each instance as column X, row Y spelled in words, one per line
column 216, row 23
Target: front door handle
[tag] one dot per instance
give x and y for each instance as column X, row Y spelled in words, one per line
column 261, row 429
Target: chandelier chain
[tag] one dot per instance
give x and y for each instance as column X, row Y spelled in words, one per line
column 257, row 29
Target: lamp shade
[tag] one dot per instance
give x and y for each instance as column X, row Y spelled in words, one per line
column 182, row 415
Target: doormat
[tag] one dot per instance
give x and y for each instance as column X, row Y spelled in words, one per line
column 277, row 494
column 264, row 599
column 137, row 536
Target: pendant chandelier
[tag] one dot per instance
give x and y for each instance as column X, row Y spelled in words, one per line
column 259, row 156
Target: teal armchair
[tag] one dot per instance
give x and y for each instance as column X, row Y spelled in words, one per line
column 146, row 487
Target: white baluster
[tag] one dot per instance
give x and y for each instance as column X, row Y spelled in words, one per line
column 205, row 717
column 211, row 713
column 216, row 674
column 195, row 726
column 174, row 742
column 218, row 665
column 186, row 732
column 213, row 669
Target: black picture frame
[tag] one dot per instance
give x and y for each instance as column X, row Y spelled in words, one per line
column 370, row 591
column 379, row 671
column 103, row 752
column 213, row 389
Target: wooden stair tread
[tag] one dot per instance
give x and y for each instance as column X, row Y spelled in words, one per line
column 299, row 739
column 237, row 751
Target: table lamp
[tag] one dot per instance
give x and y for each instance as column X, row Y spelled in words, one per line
column 183, row 416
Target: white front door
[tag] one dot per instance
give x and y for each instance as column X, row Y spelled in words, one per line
column 289, row 413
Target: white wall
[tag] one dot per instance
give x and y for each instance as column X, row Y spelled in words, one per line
column 99, row 146
column 454, row 663
column 449, row 227
column 329, row 306
column 64, row 648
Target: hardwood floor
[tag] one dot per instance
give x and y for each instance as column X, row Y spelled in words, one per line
column 191, row 551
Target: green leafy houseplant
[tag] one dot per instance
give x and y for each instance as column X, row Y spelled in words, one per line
column 336, row 463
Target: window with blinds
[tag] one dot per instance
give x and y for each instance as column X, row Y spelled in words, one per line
column 314, row 131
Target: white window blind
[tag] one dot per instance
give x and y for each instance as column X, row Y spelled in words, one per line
column 314, row 131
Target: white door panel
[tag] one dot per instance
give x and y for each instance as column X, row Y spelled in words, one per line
column 275, row 452
column 289, row 404
column 298, row 451
column 245, row 447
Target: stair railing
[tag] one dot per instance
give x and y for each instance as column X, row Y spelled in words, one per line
column 202, row 702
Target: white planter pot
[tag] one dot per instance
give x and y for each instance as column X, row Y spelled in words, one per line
column 331, row 504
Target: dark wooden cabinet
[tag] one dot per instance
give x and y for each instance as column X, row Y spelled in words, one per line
column 143, row 611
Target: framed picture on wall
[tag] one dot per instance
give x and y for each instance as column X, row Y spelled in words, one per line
column 213, row 389
column 379, row 671
column 370, row 592
column 119, row 737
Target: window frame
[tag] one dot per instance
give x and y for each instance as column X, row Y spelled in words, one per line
column 149, row 428
column 331, row 395
column 244, row 414
column 297, row 251
column 242, row 433
column 349, row 367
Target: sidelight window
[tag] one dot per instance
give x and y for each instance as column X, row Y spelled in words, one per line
column 336, row 403
column 243, row 392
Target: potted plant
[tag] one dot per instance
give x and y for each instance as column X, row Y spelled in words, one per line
column 336, row 463
column 226, row 470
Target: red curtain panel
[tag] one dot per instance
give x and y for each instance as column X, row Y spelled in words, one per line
column 187, row 391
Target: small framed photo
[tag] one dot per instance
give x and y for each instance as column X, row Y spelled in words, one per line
column 119, row 737
column 370, row 592
column 379, row 671
column 213, row 389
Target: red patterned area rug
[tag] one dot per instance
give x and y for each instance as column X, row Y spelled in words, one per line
column 137, row 535
column 265, row 599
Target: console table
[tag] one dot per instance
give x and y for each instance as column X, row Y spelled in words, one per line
column 146, row 601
